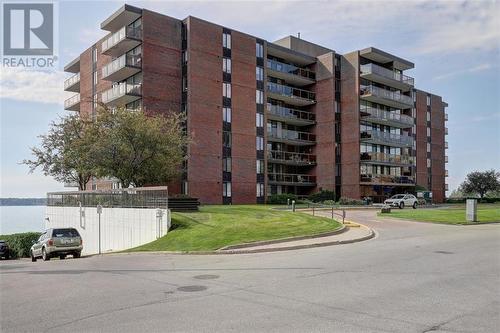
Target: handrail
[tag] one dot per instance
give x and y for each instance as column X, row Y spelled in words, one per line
column 376, row 69
column 121, row 90
column 290, row 69
column 127, row 59
column 71, row 80
column 291, row 156
column 290, row 91
column 291, row 178
column 384, row 93
column 285, row 112
column 388, row 115
column 291, row 135
column 386, row 158
column 387, row 137
column 72, row 101
column 117, row 37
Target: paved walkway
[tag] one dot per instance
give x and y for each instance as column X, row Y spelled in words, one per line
column 353, row 233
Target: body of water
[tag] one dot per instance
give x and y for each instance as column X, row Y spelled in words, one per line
column 14, row 219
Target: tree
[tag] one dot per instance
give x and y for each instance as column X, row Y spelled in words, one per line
column 140, row 149
column 478, row 182
column 66, row 151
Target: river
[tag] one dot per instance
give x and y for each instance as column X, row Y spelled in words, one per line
column 14, row 219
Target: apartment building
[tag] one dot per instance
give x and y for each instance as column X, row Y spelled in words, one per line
column 288, row 116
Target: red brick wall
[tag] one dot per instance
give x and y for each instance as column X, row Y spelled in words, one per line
column 437, row 149
column 243, row 118
column 350, row 125
column 204, row 110
column 86, row 83
column 421, row 139
column 161, row 51
column 325, row 122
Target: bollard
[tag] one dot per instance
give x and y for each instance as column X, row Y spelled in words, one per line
column 287, row 203
column 293, row 205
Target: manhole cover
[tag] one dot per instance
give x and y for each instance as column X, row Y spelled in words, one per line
column 206, row 277
column 443, row 252
column 192, row 288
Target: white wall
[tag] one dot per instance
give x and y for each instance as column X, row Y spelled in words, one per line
column 121, row 228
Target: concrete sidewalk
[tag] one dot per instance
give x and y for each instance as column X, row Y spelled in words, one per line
column 353, row 232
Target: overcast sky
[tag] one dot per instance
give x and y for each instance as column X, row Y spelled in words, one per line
column 454, row 45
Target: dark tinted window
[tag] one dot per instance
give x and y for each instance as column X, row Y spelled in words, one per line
column 65, row 233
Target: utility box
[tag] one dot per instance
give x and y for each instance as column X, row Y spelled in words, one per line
column 471, row 210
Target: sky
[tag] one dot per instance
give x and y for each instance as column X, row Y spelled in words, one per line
column 455, row 46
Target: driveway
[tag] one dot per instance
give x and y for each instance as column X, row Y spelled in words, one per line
column 413, row 277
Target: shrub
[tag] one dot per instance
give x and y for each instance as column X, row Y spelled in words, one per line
column 329, row 202
column 20, row 244
column 350, row 202
column 281, row 199
column 462, row 200
column 322, row 196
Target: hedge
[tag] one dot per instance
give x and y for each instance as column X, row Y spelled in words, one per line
column 322, row 196
column 20, row 244
column 281, row 199
column 462, row 200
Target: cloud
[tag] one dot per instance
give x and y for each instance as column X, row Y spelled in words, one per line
column 32, row 86
column 479, row 68
column 90, row 36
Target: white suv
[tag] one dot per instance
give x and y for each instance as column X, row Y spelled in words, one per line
column 402, row 200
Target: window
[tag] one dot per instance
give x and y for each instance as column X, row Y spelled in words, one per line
column 94, row 55
column 226, row 164
column 259, row 120
column 226, row 115
column 259, row 50
column 184, row 57
column 428, row 131
column 259, row 73
column 94, row 78
column 428, row 100
column 428, row 116
column 428, row 162
column 184, row 84
column 226, row 139
column 226, row 40
column 428, row 147
column 226, row 189
column 226, row 65
column 260, row 166
column 260, row 143
column 260, row 189
column 259, row 97
column 226, row 90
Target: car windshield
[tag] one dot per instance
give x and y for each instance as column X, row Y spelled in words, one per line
column 399, row 196
column 65, row 233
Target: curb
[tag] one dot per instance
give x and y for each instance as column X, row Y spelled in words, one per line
column 341, row 230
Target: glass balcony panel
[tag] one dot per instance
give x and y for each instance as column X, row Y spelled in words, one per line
column 290, row 69
column 292, row 136
column 293, row 179
column 383, row 96
column 387, row 117
column 294, row 115
column 293, row 95
column 387, row 73
column 387, row 179
column 291, row 158
column 72, row 103
column 132, row 34
column 122, row 93
column 390, row 139
column 377, row 157
column 122, row 67
column 72, row 83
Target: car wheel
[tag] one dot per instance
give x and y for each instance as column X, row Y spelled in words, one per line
column 45, row 256
column 76, row 255
column 33, row 258
column 401, row 205
column 415, row 205
column 62, row 256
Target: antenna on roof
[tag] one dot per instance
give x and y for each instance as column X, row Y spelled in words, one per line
column 298, row 35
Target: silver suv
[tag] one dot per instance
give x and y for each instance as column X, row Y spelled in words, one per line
column 57, row 242
column 402, row 200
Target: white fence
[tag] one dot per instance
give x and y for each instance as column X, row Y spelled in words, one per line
column 120, row 228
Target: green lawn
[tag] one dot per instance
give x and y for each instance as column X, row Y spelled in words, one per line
column 455, row 214
column 214, row 227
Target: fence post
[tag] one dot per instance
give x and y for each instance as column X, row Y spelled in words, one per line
column 332, row 213
column 293, row 205
column 313, row 210
column 288, row 203
column 343, row 215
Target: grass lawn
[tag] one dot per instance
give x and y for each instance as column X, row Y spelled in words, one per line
column 451, row 215
column 214, row 227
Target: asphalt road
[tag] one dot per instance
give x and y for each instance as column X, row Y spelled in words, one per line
column 413, row 277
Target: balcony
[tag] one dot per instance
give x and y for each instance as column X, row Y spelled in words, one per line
column 389, row 118
column 446, row 116
column 446, row 187
column 121, row 68
column 290, row 95
column 446, row 159
column 122, row 94
column 446, row 131
column 446, row 145
column 379, row 179
column 122, row 41
column 72, row 83
column 291, row 137
column 446, row 173
column 386, row 159
column 72, row 103
column 386, row 97
column 291, row 179
column 290, row 116
column 290, row 158
column 385, row 138
column 291, row 74
column 387, row 77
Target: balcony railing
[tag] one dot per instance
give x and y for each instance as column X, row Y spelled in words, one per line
column 72, row 81
column 292, row 158
column 290, row 69
column 121, row 62
column 446, row 145
column 292, row 114
column 446, row 159
column 446, row 187
column 292, row 179
column 446, row 131
column 387, row 138
column 389, row 116
column 446, row 116
column 120, row 35
column 387, row 73
column 394, row 96
column 387, row 179
column 291, row 92
column 121, row 90
column 299, row 137
column 446, row 173
column 378, row 157
column 72, row 103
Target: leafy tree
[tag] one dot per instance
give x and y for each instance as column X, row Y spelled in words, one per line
column 67, row 151
column 140, row 149
column 480, row 183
